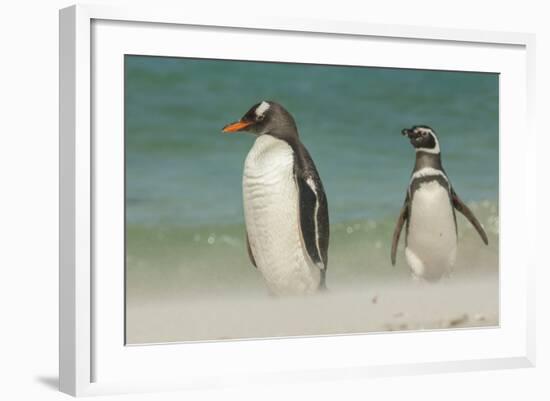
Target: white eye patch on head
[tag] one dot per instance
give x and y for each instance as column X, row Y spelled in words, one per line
column 435, row 149
column 262, row 108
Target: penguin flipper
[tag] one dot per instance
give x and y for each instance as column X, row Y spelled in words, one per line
column 250, row 255
column 403, row 216
column 314, row 223
column 465, row 210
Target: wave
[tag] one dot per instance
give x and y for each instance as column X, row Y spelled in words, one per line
column 192, row 259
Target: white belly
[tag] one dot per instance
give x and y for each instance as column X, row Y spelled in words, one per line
column 431, row 239
column 271, row 213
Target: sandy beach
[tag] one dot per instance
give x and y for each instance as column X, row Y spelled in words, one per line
column 346, row 309
column 223, row 297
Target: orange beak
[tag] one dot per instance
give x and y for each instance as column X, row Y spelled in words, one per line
column 237, row 126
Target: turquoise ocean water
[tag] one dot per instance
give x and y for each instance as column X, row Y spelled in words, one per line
column 185, row 231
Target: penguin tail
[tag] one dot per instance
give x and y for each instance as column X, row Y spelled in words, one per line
column 323, row 284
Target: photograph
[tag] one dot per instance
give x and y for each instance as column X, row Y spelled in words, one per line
column 274, row 200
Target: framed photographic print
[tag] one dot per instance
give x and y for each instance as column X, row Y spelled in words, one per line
column 283, row 200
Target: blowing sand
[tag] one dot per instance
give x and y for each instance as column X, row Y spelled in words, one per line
column 399, row 305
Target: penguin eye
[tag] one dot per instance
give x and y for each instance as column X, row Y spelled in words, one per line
column 424, row 133
column 260, row 117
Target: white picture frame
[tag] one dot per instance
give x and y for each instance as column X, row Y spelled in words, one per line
column 93, row 358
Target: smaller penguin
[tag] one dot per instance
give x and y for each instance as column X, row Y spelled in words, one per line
column 429, row 211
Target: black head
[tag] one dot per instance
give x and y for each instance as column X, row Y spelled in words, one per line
column 266, row 118
column 423, row 138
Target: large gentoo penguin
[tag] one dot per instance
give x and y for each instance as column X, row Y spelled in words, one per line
column 285, row 206
column 429, row 211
